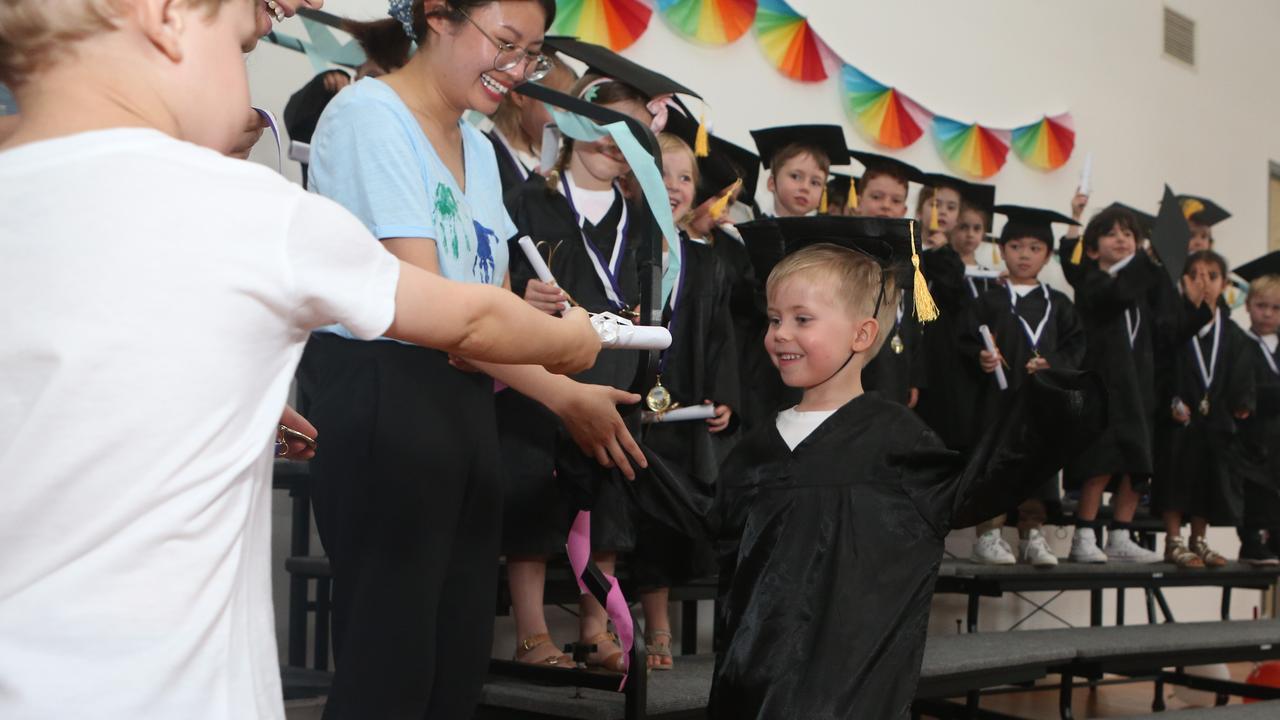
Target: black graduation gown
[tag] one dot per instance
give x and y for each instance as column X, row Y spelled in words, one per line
column 1194, row 473
column 1142, row 293
column 951, row 388
column 510, row 172
column 702, row 363
column 892, row 373
column 829, row 553
column 548, row 477
column 1256, row 454
column 303, row 110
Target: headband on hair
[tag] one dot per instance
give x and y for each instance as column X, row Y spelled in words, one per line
column 657, row 106
column 402, row 11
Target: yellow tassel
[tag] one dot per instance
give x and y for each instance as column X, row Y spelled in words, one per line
column 722, row 203
column 933, row 215
column 1231, row 295
column 1077, row 253
column 822, row 204
column 702, row 143
column 851, row 202
column 926, row 308
column 995, row 254
column 1191, row 207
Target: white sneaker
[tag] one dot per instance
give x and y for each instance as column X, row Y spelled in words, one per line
column 1036, row 552
column 1084, row 547
column 1121, row 548
column 991, row 549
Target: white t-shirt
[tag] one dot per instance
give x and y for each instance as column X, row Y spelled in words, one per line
column 592, row 204
column 154, row 301
column 794, row 426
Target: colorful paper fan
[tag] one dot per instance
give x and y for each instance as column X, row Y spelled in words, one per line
column 614, row 24
column 714, row 22
column 972, row 149
column 788, row 41
column 881, row 112
column 1047, row 144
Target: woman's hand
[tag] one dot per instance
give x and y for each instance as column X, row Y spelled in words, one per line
column 544, row 296
column 721, row 421
column 590, row 414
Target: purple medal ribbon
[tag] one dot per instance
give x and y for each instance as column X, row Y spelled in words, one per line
column 608, row 272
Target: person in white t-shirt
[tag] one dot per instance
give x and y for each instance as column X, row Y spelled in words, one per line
column 157, row 297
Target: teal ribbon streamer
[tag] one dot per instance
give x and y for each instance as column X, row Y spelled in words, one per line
column 645, row 170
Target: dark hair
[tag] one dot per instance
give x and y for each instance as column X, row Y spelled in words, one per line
column 970, row 207
column 888, row 171
column 794, row 150
column 1205, row 257
column 1105, row 221
column 387, row 44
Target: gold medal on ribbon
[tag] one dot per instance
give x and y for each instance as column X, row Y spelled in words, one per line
column 658, row 398
column 1204, row 406
column 895, row 343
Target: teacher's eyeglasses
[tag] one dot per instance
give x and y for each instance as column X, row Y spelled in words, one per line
column 511, row 56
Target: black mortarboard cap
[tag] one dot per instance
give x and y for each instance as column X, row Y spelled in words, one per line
column 1030, row 222
column 596, row 113
column 603, row 61
column 1170, row 236
column 1202, row 210
column 873, row 162
column 828, row 139
column 1268, row 264
column 885, row 240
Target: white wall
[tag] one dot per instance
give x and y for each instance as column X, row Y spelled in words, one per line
column 1208, row 130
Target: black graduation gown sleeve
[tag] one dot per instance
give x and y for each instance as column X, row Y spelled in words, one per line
column 508, row 166
column 829, row 553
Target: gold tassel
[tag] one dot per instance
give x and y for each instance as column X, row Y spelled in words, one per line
column 822, row 204
column 933, row 215
column 1077, row 253
column 995, row 254
column 926, row 308
column 851, row 202
column 722, row 203
column 701, row 142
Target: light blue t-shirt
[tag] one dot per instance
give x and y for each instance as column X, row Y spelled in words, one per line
column 370, row 155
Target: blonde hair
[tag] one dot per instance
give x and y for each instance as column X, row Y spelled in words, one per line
column 853, row 279
column 507, row 118
column 674, row 144
column 34, row 33
column 1265, row 285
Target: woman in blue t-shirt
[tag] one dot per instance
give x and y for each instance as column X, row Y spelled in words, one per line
column 407, row 488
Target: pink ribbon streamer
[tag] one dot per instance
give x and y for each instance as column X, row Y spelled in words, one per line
column 579, row 550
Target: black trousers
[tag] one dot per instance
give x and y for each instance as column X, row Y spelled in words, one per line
column 407, row 496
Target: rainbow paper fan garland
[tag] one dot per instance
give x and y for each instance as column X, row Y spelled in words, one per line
column 971, row 148
column 1047, row 144
column 788, row 41
column 881, row 112
column 713, row 22
column 615, row 24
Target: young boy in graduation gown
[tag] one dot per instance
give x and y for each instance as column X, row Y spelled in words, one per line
column 899, row 372
column 1128, row 306
column 1258, row 453
column 832, row 520
column 1034, row 328
column 1208, row 389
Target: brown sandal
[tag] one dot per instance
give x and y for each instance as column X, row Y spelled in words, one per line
column 1176, row 552
column 1211, row 558
column 529, row 644
column 658, row 646
column 611, row 663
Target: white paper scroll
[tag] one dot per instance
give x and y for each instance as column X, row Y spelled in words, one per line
column 1086, row 175
column 539, row 265
column 684, row 414
column 990, row 342
column 973, row 271
column 618, row 333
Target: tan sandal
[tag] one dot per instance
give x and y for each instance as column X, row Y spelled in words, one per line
column 1211, row 558
column 531, row 643
column 658, row 646
column 1176, row 552
column 612, row 663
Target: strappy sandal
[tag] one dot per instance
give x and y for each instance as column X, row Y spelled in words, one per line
column 531, row 643
column 658, row 646
column 1211, row 558
column 612, row 663
column 1176, row 552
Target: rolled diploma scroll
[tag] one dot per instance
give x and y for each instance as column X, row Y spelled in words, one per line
column 694, row 412
column 619, row 334
column 1086, row 175
column 973, row 271
column 539, row 265
column 990, row 342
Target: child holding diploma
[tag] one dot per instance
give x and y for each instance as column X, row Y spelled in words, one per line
column 831, row 522
column 1034, row 328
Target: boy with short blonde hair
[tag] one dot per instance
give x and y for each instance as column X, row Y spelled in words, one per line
column 831, row 521
column 159, row 297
